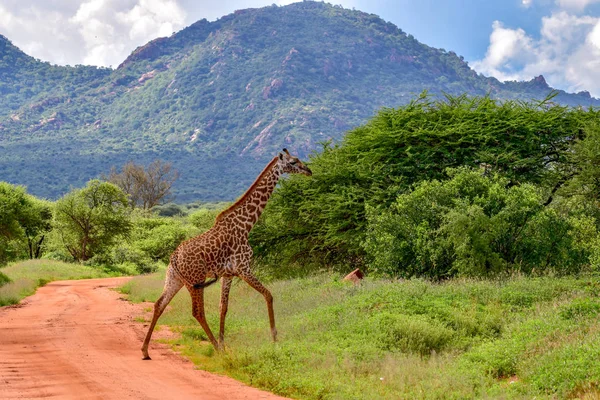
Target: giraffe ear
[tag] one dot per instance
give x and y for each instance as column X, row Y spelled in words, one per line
column 280, row 156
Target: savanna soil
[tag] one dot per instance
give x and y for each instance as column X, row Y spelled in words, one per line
column 78, row 339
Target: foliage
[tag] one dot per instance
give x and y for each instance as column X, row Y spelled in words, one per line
column 158, row 237
column 24, row 220
column 473, row 225
column 323, row 219
column 146, row 187
column 219, row 98
column 4, row 279
column 400, row 339
column 585, row 159
column 90, row 219
column 204, row 218
column 153, row 239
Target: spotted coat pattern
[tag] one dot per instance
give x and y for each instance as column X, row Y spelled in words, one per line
column 224, row 252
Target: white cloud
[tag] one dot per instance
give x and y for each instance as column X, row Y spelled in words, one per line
column 575, row 5
column 97, row 32
column 105, row 32
column 506, row 47
column 567, row 53
column 112, row 28
column 41, row 31
column 149, row 17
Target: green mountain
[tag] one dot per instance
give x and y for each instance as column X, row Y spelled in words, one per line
column 218, row 99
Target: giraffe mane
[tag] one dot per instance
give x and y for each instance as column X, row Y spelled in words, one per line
column 239, row 201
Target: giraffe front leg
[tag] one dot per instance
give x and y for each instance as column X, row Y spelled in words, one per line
column 172, row 286
column 225, row 287
column 198, row 313
column 255, row 283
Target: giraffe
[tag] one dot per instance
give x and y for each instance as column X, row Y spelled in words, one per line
column 224, row 252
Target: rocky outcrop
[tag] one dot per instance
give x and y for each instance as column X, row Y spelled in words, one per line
column 146, row 76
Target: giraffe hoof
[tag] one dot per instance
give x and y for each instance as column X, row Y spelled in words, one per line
column 146, row 358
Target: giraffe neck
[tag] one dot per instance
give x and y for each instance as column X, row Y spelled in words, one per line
column 246, row 211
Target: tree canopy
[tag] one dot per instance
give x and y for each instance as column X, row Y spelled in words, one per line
column 323, row 218
column 90, row 219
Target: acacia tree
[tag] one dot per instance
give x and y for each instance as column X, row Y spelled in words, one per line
column 91, row 219
column 36, row 224
column 23, row 219
column 585, row 158
column 146, row 187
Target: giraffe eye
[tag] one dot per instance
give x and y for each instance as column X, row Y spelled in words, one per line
column 293, row 162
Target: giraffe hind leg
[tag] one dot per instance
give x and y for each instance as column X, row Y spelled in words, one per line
column 198, row 313
column 225, row 287
column 172, row 286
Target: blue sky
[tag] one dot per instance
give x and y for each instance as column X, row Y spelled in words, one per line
column 508, row 39
column 462, row 26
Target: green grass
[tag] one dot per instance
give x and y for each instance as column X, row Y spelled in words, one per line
column 25, row 277
column 519, row 338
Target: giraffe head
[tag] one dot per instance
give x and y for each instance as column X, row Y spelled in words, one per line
column 292, row 165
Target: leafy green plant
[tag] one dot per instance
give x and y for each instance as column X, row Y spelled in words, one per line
column 473, row 225
column 413, row 334
column 24, row 222
column 91, row 219
column 4, row 279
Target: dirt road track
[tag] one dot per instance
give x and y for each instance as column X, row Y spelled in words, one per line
column 77, row 340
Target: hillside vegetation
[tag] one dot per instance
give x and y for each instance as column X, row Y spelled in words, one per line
column 219, row 99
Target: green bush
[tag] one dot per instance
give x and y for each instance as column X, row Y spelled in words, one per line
column 4, row 279
column 24, row 222
column 581, row 308
column 413, row 334
column 473, row 225
column 169, row 210
column 203, row 219
column 153, row 239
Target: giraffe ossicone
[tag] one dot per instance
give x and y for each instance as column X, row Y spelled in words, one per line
column 224, row 252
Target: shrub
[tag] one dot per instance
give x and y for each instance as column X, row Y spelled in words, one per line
column 157, row 238
column 203, row 219
column 4, row 279
column 473, row 225
column 413, row 334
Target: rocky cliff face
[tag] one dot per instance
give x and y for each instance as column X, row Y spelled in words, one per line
column 218, row 99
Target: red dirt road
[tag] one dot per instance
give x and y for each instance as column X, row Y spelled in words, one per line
column 77, row 340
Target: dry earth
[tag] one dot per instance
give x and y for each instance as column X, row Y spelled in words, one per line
column 78, row 340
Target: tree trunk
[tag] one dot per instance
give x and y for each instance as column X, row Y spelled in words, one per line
column 39, row 247
column 30, row 244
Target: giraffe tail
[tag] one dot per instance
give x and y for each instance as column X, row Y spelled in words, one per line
column 205, row 283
